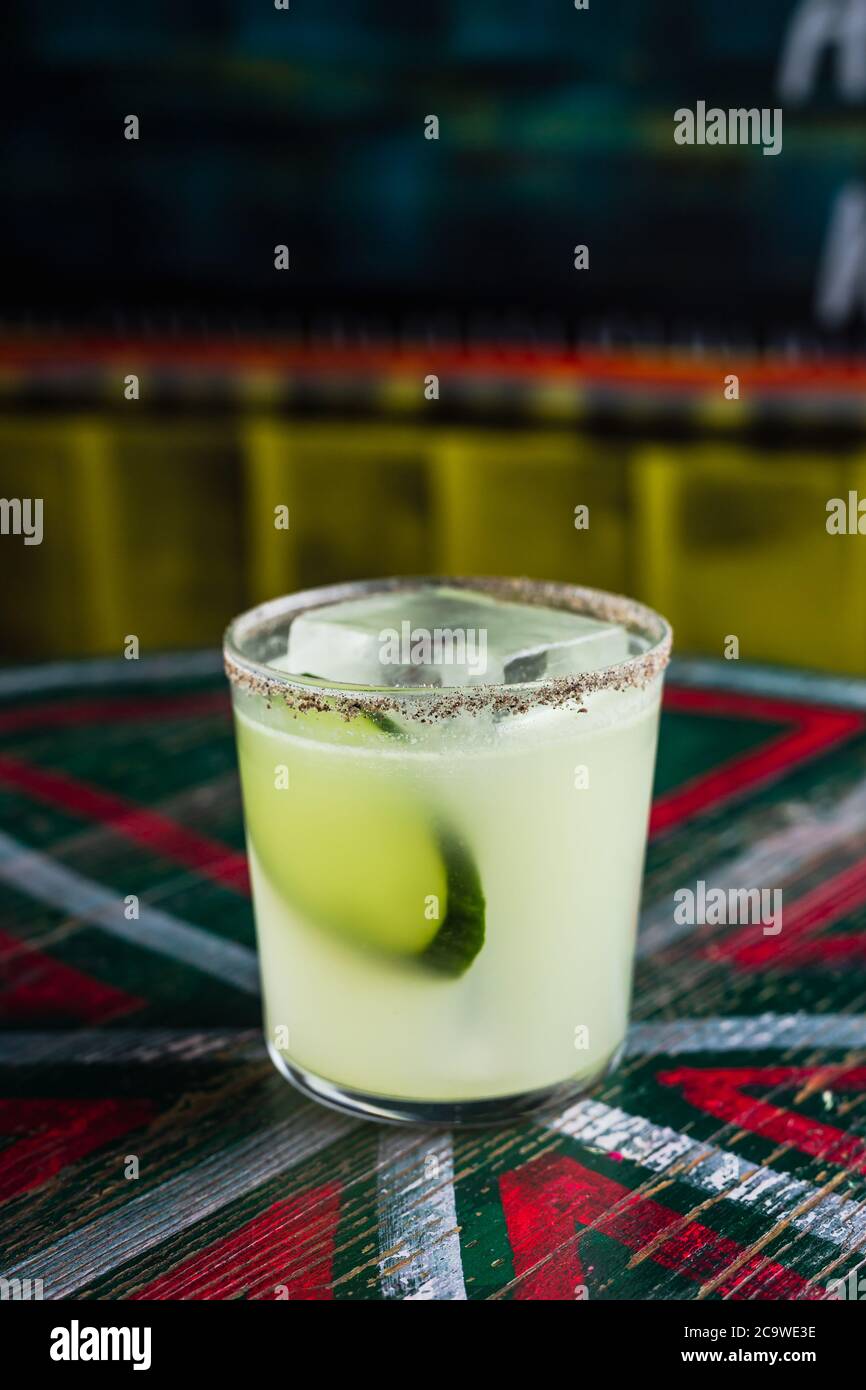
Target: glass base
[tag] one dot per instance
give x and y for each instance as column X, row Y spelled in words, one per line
column 498, row 1110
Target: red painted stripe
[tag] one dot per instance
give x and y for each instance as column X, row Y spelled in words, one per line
column 546, row 1199
column 832, row 953
column 719, row 1091
column 736, row 704
column 110, row 711
column 60, row 1132
column 151, row 829
column 538, row 1203
column 827, row 903
column 286, row 1252
column 37, row 989
column 845, row 375
column 818, row 729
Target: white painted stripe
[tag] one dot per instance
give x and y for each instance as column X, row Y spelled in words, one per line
column 418, row 1237
column 36, row 875
column 779, row 857
column 706, row 1166
column 773, row 682
column 90, row 1252
column 128, row 1046
column 755, row 1032
column 765, row 1032
column 58, row 675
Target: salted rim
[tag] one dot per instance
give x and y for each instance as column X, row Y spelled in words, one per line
column 441, row 702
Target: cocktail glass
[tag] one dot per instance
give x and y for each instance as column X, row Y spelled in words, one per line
column 446, row 880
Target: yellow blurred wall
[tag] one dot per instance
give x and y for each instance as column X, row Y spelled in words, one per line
column 164, row 529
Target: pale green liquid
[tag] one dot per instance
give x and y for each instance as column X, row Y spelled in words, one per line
column 547, row 997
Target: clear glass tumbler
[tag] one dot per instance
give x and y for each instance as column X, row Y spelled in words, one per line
column 446, row 881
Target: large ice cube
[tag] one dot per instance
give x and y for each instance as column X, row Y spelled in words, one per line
column 446, row 637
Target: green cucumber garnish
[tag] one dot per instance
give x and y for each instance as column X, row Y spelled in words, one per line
column 461, row 936
column 359, row 857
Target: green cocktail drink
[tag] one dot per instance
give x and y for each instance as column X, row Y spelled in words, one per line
column 446, row 861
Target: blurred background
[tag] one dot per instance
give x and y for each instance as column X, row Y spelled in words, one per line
column 164, row 386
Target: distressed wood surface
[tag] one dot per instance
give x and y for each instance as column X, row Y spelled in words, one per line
column 725, row 1157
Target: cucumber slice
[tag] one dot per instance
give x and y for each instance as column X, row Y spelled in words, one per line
column 461, row 935
column 357, row 855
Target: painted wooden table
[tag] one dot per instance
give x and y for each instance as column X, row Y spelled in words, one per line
column 148, row 1150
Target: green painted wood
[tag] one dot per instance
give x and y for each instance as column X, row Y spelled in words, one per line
column 724, row 1158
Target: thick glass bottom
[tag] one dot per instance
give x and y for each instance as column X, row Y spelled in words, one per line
column 498, row 1110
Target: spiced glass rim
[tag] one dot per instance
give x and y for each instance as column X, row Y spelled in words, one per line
column 271, row 619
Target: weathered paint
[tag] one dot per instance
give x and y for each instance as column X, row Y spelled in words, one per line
column 724, row 1158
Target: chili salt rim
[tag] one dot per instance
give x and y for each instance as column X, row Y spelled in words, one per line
column 426, row 703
